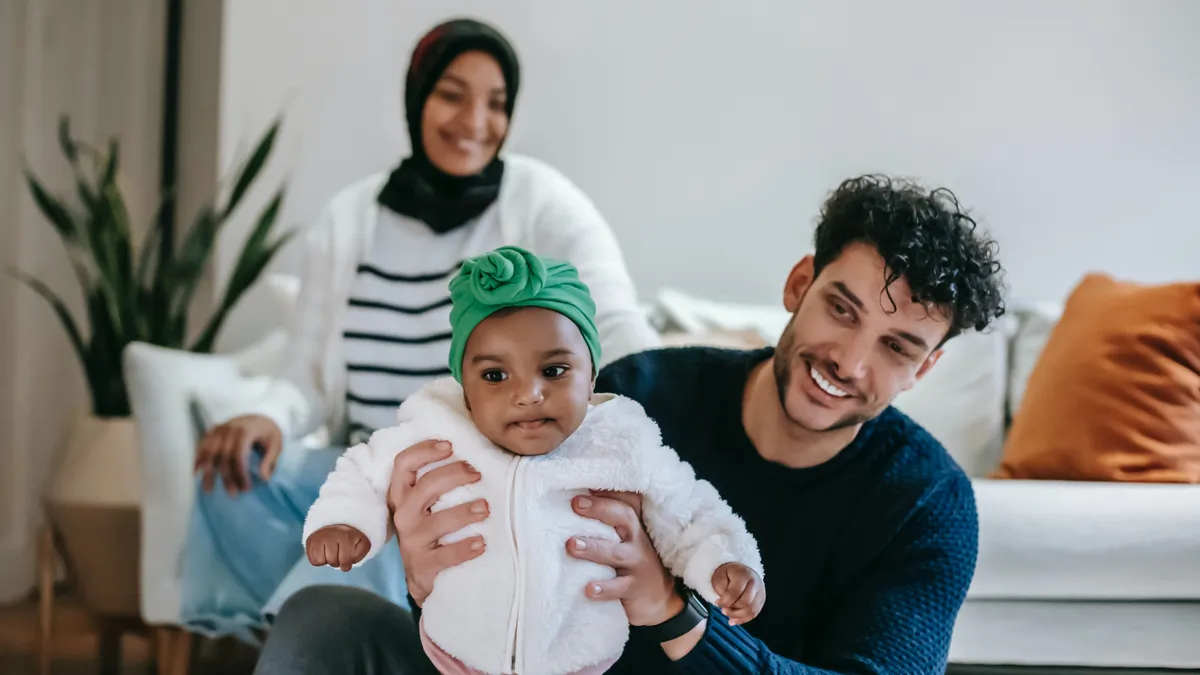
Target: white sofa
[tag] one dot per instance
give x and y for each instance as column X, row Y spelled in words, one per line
column 1079, row 574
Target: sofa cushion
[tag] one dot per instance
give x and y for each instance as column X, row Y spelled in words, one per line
column 961, row 400
column 1087, row 541
column 1115, row 394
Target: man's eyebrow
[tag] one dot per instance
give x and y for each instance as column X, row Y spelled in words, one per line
column 849, row 295
column 914, row 339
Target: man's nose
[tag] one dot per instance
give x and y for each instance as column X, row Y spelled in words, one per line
column 850, row 358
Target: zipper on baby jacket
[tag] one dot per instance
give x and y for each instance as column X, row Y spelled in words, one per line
column 515, row 654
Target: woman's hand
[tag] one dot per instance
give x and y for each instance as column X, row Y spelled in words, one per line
column 225, row 450
column 643, row 585
column 417, row 529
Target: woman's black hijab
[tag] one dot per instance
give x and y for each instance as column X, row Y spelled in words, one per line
column 417, row 188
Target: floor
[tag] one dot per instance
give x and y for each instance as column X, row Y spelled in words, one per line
column 75, row 647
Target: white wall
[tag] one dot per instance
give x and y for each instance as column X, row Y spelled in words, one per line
column 708, row 132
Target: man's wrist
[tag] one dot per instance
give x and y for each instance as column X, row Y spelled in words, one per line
column 680, row 614
column 671, row 608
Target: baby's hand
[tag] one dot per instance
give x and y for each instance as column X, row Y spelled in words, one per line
column 338, row 546
column 740, row 592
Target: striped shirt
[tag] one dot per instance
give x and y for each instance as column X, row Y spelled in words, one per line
column 397, row 327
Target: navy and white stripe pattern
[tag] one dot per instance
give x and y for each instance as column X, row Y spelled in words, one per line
column 397, row 331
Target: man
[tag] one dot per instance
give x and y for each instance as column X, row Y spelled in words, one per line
column 867, row 527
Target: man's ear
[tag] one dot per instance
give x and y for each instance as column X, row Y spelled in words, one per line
column 798, row 282
column 929, row 363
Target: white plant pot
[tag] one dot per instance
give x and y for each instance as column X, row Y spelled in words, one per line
column 94, row 501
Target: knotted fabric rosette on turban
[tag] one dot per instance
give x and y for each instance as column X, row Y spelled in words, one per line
column 510, row 276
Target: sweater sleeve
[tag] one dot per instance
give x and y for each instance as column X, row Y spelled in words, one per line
column 294, row 401
column 898, row 618
column 693, row 530
column 355, row 492
column 567, row 225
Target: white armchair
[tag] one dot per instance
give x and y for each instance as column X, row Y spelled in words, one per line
column 163, row 386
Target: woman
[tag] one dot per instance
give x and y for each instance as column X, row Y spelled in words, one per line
column 372, row 323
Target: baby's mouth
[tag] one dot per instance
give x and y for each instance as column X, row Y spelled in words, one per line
column 532, row 424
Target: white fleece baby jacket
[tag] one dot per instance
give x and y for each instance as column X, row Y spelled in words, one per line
column 520, row 606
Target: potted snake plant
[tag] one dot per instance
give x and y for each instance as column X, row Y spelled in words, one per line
column 132, row 291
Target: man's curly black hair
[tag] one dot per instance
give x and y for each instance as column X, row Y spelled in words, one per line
column 925, row 237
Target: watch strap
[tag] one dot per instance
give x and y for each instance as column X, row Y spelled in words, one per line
column 694, row 611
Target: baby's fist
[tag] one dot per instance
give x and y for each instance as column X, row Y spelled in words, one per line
column 339, row 546
column 740, row 592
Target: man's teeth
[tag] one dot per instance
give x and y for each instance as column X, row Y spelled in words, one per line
column 825, row 385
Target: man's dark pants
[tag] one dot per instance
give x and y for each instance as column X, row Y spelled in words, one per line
column 342, row 630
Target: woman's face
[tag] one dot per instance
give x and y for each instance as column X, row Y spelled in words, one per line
column 464, row 120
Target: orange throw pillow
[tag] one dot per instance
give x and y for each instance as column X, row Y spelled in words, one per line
column 1115, row 394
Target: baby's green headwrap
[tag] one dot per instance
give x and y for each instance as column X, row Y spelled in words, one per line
column 510, row 276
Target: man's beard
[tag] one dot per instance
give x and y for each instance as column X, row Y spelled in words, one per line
column 782, row 365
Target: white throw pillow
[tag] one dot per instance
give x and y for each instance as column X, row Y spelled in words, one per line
column 961, row 400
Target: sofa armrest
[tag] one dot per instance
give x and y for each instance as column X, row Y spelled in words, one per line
column 160, row 383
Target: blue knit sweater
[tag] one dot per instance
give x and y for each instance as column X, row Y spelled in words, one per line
column 868, row 557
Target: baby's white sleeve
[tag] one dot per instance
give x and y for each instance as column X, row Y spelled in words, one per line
column 355, row 493
column 693, row 529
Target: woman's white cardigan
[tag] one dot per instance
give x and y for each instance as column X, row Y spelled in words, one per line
column 520, row 606
column 540, row 210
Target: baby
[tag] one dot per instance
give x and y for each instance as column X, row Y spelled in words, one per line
column 521, row 409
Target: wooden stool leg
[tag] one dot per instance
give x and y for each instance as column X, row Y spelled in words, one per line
column 173, row 651
column 109, row 643
column 46, row 562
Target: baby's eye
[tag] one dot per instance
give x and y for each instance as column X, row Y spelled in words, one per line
column 554, row 371
column 494, row 376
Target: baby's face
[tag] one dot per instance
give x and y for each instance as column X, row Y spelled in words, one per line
column 527, row 378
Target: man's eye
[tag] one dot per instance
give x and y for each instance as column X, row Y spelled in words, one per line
column 896, row 347
column 554, row 371
column 494, row 376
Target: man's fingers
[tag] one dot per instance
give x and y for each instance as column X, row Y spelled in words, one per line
column 448, row 521
column 633, row 499
column 408, row 462
column 458, row 552
column 431, row 486
column 611, row 511
column 609, row 589
column 619, row 555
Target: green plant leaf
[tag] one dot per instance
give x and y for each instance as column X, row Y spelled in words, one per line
column 251, row 168
column 255, row 255
column 60, row 310
column 54, row 210
column 64, row 139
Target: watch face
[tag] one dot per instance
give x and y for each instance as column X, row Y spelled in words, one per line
column 698, row 603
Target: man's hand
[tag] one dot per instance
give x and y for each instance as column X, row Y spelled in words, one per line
column 417, row 528
column 339, row 546
column 643, row 585
column 225, row 450
column 741, row 593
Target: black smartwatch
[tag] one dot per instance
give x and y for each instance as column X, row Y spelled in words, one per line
column 695, row 610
